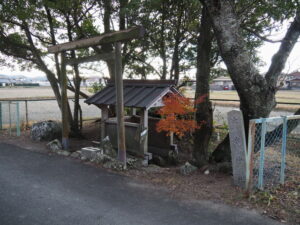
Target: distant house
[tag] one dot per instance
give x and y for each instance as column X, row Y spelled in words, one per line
column 293, row 80
column 222, row 83
column 294, row 84
column 4, row 82
column 91, row 80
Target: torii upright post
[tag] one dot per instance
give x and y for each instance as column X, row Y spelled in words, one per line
column 109, row 38
column 120, row 104
column 64, row 103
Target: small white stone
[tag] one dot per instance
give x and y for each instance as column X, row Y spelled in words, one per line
column 206, row 172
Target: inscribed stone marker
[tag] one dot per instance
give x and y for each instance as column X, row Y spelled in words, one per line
column 237, row 146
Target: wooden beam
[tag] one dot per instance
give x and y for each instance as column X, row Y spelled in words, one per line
column 92, row 58
column 120, row 104
column 64, row 103
column 117, row 36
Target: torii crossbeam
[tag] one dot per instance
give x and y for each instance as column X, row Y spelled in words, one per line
column 109, row 38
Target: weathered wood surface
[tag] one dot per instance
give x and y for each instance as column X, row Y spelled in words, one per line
column 120, row 104
column 64, row 103
column 92, row 58
column 118, row 36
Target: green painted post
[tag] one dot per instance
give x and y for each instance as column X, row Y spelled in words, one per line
column 283, row 150
column 18, row 119
column 9, row 114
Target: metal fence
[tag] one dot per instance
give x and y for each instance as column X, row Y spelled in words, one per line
column 274, row 144
column 10, row 117
column 39, row 109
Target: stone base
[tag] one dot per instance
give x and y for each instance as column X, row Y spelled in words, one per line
column 90, row 152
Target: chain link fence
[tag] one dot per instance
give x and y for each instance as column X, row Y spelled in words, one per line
column 275, row 147
column 10, row 117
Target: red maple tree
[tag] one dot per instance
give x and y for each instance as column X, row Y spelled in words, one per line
column 178, row 115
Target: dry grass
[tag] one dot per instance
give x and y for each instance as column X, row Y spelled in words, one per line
column 31, row 92
column 281, row 96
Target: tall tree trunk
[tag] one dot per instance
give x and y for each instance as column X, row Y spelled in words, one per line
column 174, row 73
column 77, row 80
column 51, row 76
column 76, row 118
column 108, row 47
column 204, row 109
column 256, row 92
column 122, row 26
column 162, row 42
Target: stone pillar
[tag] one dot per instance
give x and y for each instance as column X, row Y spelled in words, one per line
column 144, row 131
column 104, row 117
column 238, row 147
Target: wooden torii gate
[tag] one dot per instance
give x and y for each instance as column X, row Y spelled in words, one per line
column 110, row 38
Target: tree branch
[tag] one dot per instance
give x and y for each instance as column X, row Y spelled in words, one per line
column 263, row 38
column 280, row 58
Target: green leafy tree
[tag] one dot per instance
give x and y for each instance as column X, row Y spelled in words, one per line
column 29, row 27
column 230, row 21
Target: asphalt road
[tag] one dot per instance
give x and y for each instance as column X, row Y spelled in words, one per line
column 38, row 189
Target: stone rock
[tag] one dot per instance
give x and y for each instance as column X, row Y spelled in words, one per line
column 83, row 158
column 173, row 157
column 45, row 131
column 54, row 145
column 135, row 163
column 108, row 148
column 101, row 158
column 152, row 168
column 75, row 154
column 90, row 152
column 64, row 153
column 187, row 168
column 114, row 164
column 158, row 160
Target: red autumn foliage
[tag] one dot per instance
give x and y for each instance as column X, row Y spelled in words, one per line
column 178, row 115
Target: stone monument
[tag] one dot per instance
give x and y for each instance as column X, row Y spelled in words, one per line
column 238, row 147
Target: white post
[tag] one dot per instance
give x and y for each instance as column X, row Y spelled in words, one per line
column 144, row 131
column 104, row 117
column 133, row 111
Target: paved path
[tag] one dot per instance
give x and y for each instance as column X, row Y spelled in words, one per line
column 37, row 189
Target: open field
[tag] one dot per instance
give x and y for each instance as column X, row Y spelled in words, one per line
column 43, row 110
column 281, row 96
column 40, row 110
column 21, row 92
column 30, row 92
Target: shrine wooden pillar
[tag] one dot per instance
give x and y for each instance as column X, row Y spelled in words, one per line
column 64, row 103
